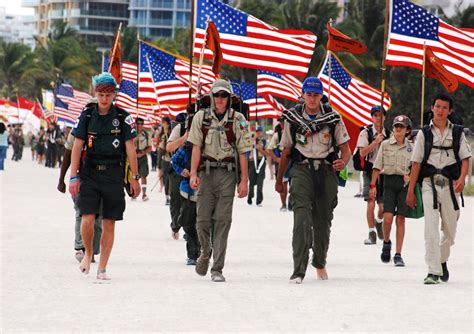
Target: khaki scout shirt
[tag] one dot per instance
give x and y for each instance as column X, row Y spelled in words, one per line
column 175, row 133
column 440, row 158
column 216, row 145
column 319, row 144
column 143, row 141
column 259, row 141
column 273, row 144
column 394, row 159
column 363, row 141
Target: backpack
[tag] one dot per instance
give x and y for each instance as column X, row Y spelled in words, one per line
column 362, row 164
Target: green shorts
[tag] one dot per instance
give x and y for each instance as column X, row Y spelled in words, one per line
column 394, row 195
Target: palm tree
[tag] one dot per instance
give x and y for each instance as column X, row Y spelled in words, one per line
column 15, row 58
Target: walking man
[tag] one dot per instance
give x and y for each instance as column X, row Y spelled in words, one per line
column 257, row 159
column 220, row 139
column 440, row 162
column 142, row 147
column 104, row 135
column 316, row 140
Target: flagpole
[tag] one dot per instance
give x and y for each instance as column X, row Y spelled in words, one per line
column 138, row 71
column 201, row 60
column 191, row 52
column 423, row 85
column 383, row 68
column 115, row 44
column 102, row 67
column 329, row 75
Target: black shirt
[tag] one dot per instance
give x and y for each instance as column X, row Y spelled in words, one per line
column 105, row 136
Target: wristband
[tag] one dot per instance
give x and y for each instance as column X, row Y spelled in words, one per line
column 74, row 179
column 372, row 186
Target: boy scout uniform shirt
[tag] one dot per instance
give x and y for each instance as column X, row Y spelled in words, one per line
column 363, row 141
column 440, row 158
column 163, row 141
column 394, row 159
column 106, row 136
column 319, row 144
column 175, row 133
column 142, row 141
column 259, row 141
column 273, row 144
column 216, row 146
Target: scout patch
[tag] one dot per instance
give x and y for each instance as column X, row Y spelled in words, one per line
column 301, row 139
column 115, row 131
column 130, row 121
column 116, row 143
column 115, row 122
column 76, row 123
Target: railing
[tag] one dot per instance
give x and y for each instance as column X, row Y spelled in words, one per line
column 29, row 3
column 56, row 14
column 98, row 28
column 160, row 22
column 137, row 22
column 161, row 4
column 104, row 12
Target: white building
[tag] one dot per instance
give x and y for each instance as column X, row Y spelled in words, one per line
column 17, row 28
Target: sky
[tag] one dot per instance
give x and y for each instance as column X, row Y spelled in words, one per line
column 14, row 7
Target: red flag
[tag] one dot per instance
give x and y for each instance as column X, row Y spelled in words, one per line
column 213, row 43
column 337, row 41
column 435, row 70
column 115, row 59
column 31, row 106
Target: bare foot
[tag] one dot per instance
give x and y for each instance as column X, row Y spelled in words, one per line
column 102, row 275
column 175, row 235
column 85, row 265
column 322, row 274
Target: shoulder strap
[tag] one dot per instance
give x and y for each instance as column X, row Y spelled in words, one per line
column 428, row 143
column 457, row 132
column 206, row 124
column 229, row 127
column 370, row 133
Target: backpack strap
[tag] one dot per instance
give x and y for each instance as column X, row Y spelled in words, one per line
column 428, row 143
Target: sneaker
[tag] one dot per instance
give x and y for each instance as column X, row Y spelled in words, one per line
column 79, row 255
column 398, row 261
column 202, row 264
column 283, row 208
column 190, row 262
column 386, row 249
column 296, row 279
column 372, row 239
column 445, row 276
column 379, row 228
column 217, row 277
column 249, row 201
column 145, row 198
column 431, row 279
column 259, row 205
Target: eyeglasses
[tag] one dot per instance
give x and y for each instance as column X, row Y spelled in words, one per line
column 222, row 95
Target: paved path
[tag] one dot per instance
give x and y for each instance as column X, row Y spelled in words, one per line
column 153, row 290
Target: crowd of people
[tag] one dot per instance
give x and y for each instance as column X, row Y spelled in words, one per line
column 203, row 159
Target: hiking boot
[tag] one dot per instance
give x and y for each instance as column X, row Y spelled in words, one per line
column 190, row 262
column 202, row 265
column 283, row 208
column 379, row 228
column 372, row 239
column 445, row 276
column 79, row 255
column 398, row 261
column 431, row 279
column 386, row 249
column 217, row 277
column 296, row 279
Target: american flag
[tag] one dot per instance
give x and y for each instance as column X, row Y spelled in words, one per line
column 285, row 86
column 249, row 42
column 61, row 111
column 411, row 26
column 127, row 97
column 259, row 106
column 350, row 96
column 171, row 77
column 74, row 100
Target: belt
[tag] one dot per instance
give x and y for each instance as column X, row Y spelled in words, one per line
column 207, row 165
column 316, row 164
column 102, row 167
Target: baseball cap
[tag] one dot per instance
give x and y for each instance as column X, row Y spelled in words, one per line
column 181, row 117
column 312, row 85
column 259, row 128
column 376, row 109
column 403, row 120
column 220, row 85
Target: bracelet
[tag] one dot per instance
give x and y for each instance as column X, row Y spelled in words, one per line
column 74, row 179
column 372, row 186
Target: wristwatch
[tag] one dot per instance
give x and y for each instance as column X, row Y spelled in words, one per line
column 137, row 177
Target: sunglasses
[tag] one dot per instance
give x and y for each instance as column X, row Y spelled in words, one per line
column 222, row 95
column 399, row 126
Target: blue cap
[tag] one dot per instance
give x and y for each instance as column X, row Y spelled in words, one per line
column 312, row 85
column 259, row 128
column 181, row 117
